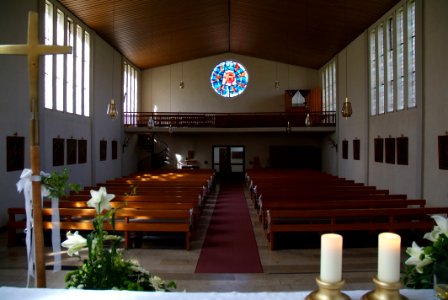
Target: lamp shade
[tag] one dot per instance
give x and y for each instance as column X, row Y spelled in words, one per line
column 112, row 111
column 346, row 109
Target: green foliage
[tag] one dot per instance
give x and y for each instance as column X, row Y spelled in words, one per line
column 439, row 249
column 57, row 184
column 106, row 268
column 114, row 272
column 438, row 253
column 415, row 280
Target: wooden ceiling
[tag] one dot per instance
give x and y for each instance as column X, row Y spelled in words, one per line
column 152, row 33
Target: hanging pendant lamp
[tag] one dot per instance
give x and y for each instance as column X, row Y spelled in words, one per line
column 347, row 106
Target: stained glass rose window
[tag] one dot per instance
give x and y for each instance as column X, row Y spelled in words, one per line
column 229, row 78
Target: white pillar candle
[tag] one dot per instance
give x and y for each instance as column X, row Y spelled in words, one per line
column 389, row 248
column 331, row 258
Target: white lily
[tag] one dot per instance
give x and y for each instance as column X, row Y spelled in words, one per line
column 442, row 227
column 415, row 257
column 156, row 282
column 100, row 200
column 74, row 243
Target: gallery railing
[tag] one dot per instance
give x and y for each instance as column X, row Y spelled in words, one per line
column 230, row 120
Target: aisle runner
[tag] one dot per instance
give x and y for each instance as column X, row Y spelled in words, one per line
column 229, row 245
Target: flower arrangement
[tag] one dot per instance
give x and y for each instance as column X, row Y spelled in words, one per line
column 106, row 267
column 419, row 267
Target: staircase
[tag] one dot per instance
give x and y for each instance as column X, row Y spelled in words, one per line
column 156, row 152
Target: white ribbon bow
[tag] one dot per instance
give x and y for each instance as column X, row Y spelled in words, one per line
column 25, row 185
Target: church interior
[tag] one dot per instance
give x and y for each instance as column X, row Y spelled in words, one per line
column 286, row 100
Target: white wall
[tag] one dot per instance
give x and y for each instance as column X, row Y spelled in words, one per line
column 352, row 68
column 421, row 178
column 402, row 179
column 161, row 86
column 14, row 100
column 435, row 50
column 256, row 144
column 396, row 178
column 15, row 111
column 330, row 152
column 107, row 65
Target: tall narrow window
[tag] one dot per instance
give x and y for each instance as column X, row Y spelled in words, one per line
column 130, row 88
column 381, row 69
column 328, row 79
column 69, row 80
column 86, row 70
column 67, row 77
column 411, row 54
column 373, row 68
column 60, row 61
column 332, row 106
column 78, row 66
column 390, row 64
column 48, row 68
column 324, row 91
column 393, row 68
column 400, row 58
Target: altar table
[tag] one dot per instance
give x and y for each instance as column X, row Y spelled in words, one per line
column 12, row 293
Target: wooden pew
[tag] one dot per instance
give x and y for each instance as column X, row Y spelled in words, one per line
column 170, row 178
column 323, row 195
column 194, row 199
column 310, row 185
column 161, row 198
column 167, row 191
column 153, row 193
column 127, row 220
column 337, row 204
column 323, row 220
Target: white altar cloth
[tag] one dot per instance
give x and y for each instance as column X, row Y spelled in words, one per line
column 11, row 293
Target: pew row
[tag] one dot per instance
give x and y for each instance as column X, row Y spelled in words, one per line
column 127, row 220
column 310, row 204
column 154, row 194
column 379, row 219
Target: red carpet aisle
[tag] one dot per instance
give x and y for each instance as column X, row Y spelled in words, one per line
column 229, row 245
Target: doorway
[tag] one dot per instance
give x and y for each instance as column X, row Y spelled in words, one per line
column 229, row 161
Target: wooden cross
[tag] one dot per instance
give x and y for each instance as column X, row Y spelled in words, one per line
column 33, row 50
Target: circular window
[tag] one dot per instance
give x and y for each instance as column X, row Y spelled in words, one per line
column 229, row 79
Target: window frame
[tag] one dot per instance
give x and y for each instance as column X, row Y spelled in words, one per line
column 328, row 80
column 131, row 86
column 62, row 93
column 396, row 69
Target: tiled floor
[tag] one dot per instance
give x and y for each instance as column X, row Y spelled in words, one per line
column 284, row 270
